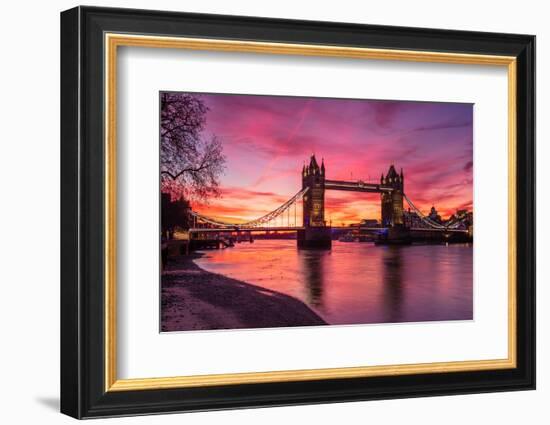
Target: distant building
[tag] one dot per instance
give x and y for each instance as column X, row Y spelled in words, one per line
column 434, row 216
column 465, row 217
column 412, row 220
column 462, row 220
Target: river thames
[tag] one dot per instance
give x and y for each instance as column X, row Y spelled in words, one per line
column 358, row 282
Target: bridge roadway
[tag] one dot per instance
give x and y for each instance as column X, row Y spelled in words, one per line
column 246, row 229
column 290, row 228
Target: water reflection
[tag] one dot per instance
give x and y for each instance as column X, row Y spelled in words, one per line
column 392, row 278
column 312, row 265
column 358, row 282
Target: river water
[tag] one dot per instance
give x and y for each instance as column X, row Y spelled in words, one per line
column 358, row 282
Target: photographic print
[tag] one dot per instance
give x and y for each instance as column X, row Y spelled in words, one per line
column 280, row 211
column 285, row 181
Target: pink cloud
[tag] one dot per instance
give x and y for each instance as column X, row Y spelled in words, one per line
column 267, row 138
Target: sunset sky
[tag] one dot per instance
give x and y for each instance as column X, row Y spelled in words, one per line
column 266, row 140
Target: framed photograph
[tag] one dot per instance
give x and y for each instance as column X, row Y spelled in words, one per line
column 261, row 212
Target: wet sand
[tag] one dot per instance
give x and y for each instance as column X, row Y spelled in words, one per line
column 194, row 299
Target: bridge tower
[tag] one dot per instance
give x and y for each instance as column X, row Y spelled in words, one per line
column 392, row 202
column 316, row 233
column 392, row 209
column 313, row 177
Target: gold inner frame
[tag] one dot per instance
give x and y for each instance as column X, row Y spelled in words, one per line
column 113, row 41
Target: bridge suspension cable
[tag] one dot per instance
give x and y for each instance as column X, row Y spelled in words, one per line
column 451, row 225
column 424, row 218
column 258, row 222
column 279, row 212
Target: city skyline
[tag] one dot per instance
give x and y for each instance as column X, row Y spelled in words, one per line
column 266, row 140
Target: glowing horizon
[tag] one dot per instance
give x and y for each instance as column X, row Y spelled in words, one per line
column 266, row 140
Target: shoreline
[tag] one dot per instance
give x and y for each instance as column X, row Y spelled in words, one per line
column 195, row 299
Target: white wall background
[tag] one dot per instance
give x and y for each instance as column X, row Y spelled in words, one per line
column 29, row 176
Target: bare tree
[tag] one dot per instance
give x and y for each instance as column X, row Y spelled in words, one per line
column 190, row 165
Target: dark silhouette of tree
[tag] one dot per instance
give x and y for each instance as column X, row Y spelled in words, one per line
column 190, row 164
column 174, row 214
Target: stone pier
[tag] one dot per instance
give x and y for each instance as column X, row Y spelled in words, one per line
column 315, row 238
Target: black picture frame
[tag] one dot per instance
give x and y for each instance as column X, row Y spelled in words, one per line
column 83, row 392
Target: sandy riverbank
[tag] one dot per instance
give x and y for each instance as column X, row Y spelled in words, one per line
column 194, row 299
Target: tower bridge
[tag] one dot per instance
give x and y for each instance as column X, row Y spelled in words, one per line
column 313, row 231
column 316, row 233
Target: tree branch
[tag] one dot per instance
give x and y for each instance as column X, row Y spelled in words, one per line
column 185, row 170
